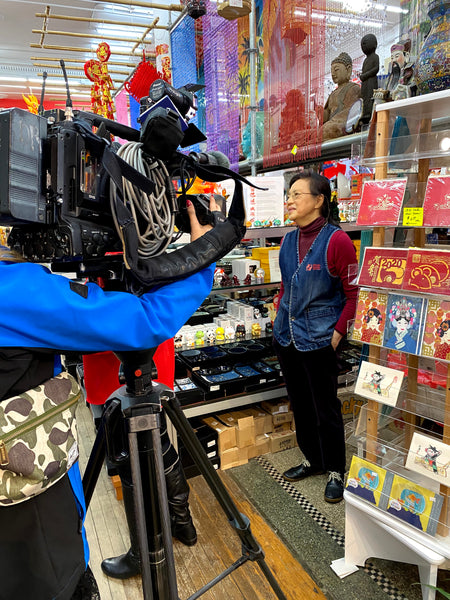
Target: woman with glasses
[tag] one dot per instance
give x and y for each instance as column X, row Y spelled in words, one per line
column 316, row 302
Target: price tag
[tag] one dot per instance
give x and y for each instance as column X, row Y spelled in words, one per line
column 413, row 216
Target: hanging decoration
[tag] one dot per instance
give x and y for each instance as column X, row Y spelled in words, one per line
column 234, row 9
column 97, row 72
column 294, row 67
column 163, row 64
column 143, row 77
column 220, row 47
column 32, row 103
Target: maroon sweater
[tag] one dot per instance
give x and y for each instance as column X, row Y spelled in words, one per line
column 341, row 253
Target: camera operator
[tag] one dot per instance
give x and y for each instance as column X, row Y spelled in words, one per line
column 43, row 549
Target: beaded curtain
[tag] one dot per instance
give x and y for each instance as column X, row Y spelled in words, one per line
column 185, row 67
column 294, row 53
column 220, row 52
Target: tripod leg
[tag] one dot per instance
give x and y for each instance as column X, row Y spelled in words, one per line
column 251, row 548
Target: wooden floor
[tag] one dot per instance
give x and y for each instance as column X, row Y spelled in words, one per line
column 217, row 548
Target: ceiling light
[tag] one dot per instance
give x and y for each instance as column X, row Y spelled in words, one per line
column 13, row 79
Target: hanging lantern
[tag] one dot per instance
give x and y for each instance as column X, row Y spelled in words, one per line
column 234, row 9
column 295, row 20
column 196, row 8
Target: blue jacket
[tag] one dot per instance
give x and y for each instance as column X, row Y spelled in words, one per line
column 40, row 309
column 313, row 299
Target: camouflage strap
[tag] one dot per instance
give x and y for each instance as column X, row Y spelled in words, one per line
column 38, row 438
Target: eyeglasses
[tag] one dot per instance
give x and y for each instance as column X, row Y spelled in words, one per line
column 297, row 195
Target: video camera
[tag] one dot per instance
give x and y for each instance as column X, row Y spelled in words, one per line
column 75, row 200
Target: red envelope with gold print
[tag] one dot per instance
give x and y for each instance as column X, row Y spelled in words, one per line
column 436, row 204
column 383, row 267
column 427, row 271
column 381, row 202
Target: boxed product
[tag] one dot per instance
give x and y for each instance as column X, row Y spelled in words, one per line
column 233, row 457
column 261, row 446
column 282, row 417
column 244, row 425
column 226, row 434
column 268, row 258
column 261, row 419
column 187, row 392
column 276, row 406
column 284, row 440
column 241, row 267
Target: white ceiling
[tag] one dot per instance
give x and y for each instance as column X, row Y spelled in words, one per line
column 19, row 70
column 21, row 65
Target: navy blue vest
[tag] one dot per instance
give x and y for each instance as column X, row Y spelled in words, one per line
column 313, row 299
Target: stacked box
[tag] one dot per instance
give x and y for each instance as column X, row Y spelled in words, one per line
column 268, row 257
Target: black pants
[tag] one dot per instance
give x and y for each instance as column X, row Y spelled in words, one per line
column 311, row 383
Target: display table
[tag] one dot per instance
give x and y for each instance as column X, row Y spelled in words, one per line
column 373, row 533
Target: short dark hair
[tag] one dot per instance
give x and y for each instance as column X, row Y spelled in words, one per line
column 318, row 185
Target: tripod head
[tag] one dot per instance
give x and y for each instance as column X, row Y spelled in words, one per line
column 137, row 370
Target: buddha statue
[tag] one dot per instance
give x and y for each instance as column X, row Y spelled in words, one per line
column 341, row 99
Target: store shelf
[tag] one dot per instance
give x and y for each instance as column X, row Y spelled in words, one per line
column 429, row 106
column 226, row 403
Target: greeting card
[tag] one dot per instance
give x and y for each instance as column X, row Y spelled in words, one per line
column 369, row 481
column 436, row 333
column 436, row 204
column 381, row 202
column 414, row 504
column 370, row 317
column 383, row 267
column 404, row 317
column 427, row 271
column 429, row 457
column 378, row 382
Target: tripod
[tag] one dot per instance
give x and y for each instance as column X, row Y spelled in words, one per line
column 129, row 433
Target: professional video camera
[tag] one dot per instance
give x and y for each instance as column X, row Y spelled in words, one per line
column 83, row 203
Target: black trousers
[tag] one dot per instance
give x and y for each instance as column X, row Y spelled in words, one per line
column 311, row 383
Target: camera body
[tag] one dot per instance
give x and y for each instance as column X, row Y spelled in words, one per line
column 54, row 189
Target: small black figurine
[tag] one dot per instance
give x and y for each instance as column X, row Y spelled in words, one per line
column 368, row 76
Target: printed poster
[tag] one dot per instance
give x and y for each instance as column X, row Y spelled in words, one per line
column 369, row 481
column 404, row 316
column 436, row 203
column 414, row 504
column 381, row 202
column 377, row 382
column 383, row 267
column 436, row 333
column 428, row 271
column 370, row 317
column 430, row 457
column 264, row 208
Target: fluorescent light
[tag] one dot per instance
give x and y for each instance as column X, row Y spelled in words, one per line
column 17, row 87
column 13, row 79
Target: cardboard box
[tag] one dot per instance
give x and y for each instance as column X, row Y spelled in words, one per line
column 282, row 417
column 262, row 420
column 285, row 440
column 233, row 457
column 276, row 406
column 226, row 434
column 244, row 425
column 286, row 426
column 261, row 446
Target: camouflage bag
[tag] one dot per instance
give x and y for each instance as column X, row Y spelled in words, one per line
column 38, row 438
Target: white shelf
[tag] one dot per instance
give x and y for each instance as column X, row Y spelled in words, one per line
column 429, row 106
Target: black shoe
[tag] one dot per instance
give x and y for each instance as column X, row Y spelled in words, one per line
column 334, row 490
column 184, row 532
column 305, row 469
column 123, row 566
